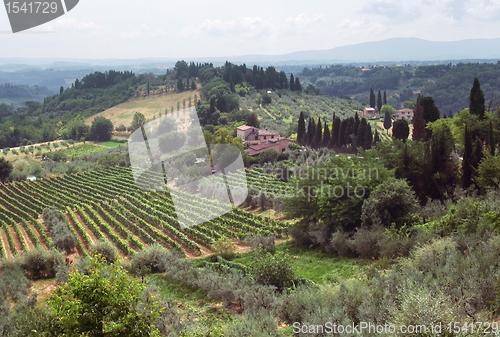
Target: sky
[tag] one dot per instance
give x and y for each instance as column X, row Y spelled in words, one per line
column 125, row 29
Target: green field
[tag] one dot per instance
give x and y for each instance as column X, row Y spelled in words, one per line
column 315, row 265
column 111, row 144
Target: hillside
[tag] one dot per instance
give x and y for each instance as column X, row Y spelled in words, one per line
column 150, row 106
column 449, row 84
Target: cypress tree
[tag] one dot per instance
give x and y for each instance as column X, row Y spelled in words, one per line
column 387, row 120
column 312, row 134
column 292, row 82
column 419, row 132
column 360, row 136
column 356, row 123
column 350, row 130
column 326, row 136
column 372, row 98
column 342, row 133
column 476, row 100
column 298, row 86
column 301, row 130
column 379, row 101
column 335, row 132
column 431, row 112
column 385, row 98
column 318, row 137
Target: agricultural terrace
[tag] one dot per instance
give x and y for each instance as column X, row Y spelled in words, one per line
column 107, row 206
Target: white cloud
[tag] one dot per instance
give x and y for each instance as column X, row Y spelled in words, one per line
column 393, row 11
column 361, row 26
column 144, row 30
column 241, row 27
column 485, row 10
column 302, row 24
column 71, row 25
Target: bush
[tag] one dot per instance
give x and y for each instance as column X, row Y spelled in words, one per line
column 266, row 243
column 367, row 241
column 105, row 249
column 41, row 263
column 225, row 248
column 57, row 225
column 273, row 269
column 341, row 244
column 152, row 259
column 390, row 202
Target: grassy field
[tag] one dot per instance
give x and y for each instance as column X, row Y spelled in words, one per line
column 315, row 265
column 111, row 144
column 150, row 107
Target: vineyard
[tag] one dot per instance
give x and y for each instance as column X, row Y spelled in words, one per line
column 107, row 206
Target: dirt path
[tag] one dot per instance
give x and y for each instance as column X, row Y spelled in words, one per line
column 188, row 251
column 116, row 232
column 80, row 237
column 19, row 247
column 37, row 234
column 26, row 237
column 5, row 243
column 89, row 232
column 129, row 232
column 108, row 237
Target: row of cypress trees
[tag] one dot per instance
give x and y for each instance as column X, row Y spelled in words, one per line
column 351, row 132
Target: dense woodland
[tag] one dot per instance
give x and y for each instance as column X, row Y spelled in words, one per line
column 448, row 84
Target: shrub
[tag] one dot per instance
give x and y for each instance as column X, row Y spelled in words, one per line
column 225, row 248
column 259, row 241
column 152, row 259
column 105, row 249
column 41, row 263
column 367, row 241
column 390, row 202
column 341, row 244
column 273, row 269
column 57, row 226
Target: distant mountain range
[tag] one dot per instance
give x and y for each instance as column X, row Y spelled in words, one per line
column 393, row 50
column 396, row 50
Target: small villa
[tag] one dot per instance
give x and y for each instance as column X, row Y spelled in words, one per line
column 262, row 140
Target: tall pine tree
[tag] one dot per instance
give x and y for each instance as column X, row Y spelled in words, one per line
column 326, row 136
column 335, row 132
column 298, row 86
column 361, row 132
column 387, row 120
column 372, row 98
column 476, row 100
column 301, row 130
column 379, row 101
column 419, row 132
column 292, row 82
column 385, row 98
column 318, row 137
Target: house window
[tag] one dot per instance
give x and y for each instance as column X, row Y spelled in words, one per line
column 265, row 137
column 272, row 137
